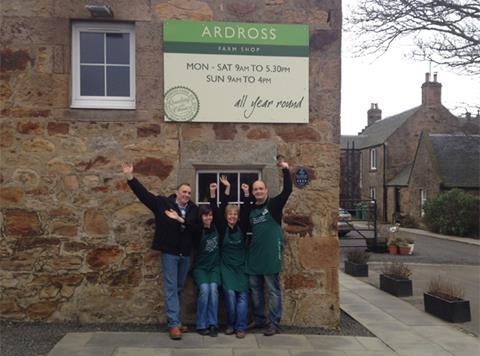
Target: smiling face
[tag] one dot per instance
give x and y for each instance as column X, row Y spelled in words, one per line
column 260, row 191
column 207, row 219
column 231, row 214
column 183, row 194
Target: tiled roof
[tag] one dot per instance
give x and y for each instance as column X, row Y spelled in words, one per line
column 402, row 178
column 458, row 159
column 377, row 133
column 349, row 141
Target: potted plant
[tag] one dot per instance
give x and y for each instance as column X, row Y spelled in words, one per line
column 392, row 246
column 411, row 243
column 444, row 299
column 403, row 248
column 356, row 263
column 395, row 279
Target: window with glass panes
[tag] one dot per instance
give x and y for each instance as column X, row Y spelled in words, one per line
column 236, row 179
column 103, row 65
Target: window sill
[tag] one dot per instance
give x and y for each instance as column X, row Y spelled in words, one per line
column 104, row 115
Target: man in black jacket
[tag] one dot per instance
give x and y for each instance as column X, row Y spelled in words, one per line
column 176, row 222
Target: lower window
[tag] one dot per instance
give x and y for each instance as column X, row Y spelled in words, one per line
column 236, row 179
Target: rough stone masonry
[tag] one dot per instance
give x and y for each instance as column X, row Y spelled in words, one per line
column 74, row 240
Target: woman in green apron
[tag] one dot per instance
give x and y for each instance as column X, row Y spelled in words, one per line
column 206, row 273
column 232, row 265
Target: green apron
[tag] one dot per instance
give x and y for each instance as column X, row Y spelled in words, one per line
column 206, row 268
column 265, row 254
column 232, row 266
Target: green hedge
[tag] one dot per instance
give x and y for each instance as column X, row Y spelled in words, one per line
column 453, row 213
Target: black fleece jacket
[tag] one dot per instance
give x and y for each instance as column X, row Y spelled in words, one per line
column 170, row 236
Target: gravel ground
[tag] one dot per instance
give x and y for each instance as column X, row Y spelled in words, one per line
column 36, row 339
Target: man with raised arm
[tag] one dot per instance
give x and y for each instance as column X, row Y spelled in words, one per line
column 176, row 222
column 265, row 253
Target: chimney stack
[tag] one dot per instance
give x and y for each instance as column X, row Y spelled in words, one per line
column 431, row 91
column 374, row 114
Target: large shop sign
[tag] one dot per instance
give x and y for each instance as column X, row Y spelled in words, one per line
column 235, row 72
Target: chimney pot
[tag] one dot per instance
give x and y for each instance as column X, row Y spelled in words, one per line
column 374, row 114
column 431, row 92
column 435, row 77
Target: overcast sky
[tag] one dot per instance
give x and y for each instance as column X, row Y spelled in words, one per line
column 394, row 82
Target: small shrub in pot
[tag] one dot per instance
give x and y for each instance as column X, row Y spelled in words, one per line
column 356, row 263
column 444, row 299
column 395, row 279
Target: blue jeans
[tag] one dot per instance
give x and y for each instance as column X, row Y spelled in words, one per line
column 207, row 305
column 274, row 299
column 237, row 307
column 175, row 269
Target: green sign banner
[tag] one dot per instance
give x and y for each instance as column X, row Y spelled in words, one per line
column 235, row 72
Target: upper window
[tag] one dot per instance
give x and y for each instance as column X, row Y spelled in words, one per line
column 103, row 65
column 236, row 179
column 373, row 159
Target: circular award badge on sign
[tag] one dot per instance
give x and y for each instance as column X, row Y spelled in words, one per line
column 181, row 104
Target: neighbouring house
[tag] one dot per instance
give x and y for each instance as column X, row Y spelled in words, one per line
column 442, row 162
column 83, row 90
column 377, row 162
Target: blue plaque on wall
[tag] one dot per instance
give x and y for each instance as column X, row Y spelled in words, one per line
column 301, row 178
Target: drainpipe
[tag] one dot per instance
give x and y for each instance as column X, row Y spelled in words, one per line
column 384, row 183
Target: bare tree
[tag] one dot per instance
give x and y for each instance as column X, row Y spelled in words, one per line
column 446, row 32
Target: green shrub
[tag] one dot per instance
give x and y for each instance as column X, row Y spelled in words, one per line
column 453, row 213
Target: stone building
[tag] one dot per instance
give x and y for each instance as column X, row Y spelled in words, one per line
column 442, row 162
column 75, row 242
column 384, row 151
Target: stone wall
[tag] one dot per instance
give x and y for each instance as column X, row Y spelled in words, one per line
column 74, row 239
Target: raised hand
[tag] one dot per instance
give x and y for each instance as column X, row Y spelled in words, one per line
column 213, row 190
column 224, row 180
column 127, row 169
column 245, row 189
column 283, row 164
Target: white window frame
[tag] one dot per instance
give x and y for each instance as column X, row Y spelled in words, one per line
column 373, row 159
column 217, row 172
column 373, row 193
column 101, row 102
column 423, row 199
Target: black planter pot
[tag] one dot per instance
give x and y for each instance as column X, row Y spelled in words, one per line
column 454, row 311
column 395, row 286
column 356, row 270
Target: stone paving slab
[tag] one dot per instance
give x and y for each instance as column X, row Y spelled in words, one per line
column 322, row 342
column 423, row 350
column 230, row 341
column 317, row 353
column 257, row 352
column 283, row 341
column 145, row 339
column 202, row 352
column 142, row 351
column 81, row 351
column 372, row 343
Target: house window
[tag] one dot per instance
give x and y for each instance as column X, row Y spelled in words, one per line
column 373, row 193
column 423, row 199
column 373, row 159
column 236, row 179
column 103, row 65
